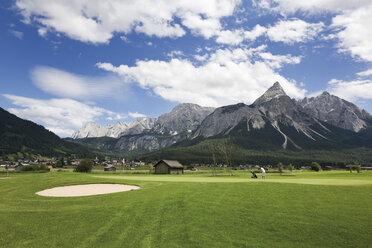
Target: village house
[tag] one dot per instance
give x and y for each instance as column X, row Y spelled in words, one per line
column 168, row 167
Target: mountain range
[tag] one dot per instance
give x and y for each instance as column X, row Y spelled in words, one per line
column 273, row 124
column 273, row 121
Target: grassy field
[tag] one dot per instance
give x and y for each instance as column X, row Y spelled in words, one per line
column 302, row 209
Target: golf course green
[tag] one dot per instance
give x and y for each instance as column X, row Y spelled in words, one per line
column 300, row 209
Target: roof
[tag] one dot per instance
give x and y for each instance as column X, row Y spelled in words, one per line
column 171, row 163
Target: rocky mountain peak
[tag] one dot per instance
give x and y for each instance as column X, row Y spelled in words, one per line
column 274, row 91
column 183, row 117
column 336, row 111
column 325, row 93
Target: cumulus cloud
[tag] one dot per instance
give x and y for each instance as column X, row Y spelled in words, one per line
column 232, row 37
column 65, row 84
column 256, row 32
column 286, row 31
column 351, row 23
column 235, row 37
column 277, row 61
column 61, row 116
column 355, row 32
column 295, row 30
column 96, row 21
column 311, row 6
column 226, row 77
column 351, row 90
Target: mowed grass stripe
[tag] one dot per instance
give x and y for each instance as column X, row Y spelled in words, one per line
column 199, row 179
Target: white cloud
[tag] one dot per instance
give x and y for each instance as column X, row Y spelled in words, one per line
column 201, row 26
column 96, row 21
column 136, row 115
column 355, row 32
column 58, row 115
column 16, row 33
column 175, row 53
column 256, row 32
column 351, row 90
column 311, row 6
column 124, row 38
column 201, row 57
column 227, row 77
column 294, row 30
column 232, row 37
column 351, row 23
column 287, row 31
column 64, row 84
column 277, row 61
column 42, row 32
column 365, row 73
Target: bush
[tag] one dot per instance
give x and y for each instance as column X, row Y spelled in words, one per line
column 42, row 167
column 27, row 168
column 290, row 167
column 315, row 166
column 280, row 168
column 85, row 165
column 35, row 167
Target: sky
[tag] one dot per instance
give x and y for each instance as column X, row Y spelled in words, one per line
column 65, row 63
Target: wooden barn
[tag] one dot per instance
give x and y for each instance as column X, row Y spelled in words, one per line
column 168, row 167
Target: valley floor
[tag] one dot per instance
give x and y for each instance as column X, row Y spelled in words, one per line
column 300, row 209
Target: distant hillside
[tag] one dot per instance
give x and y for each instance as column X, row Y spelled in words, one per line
column 18, row 135
column 202, row 152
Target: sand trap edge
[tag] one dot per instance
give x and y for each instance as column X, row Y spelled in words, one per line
column 86, row 190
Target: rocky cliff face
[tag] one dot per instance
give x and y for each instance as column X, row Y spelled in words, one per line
column 138, row 126
column 168, row 129
column 274, row 92
column 184, row 117
column 274, row 120
column 150, row 133
column 274, row 110
column 94, row 130
column 336, row 111
column 90, row 130
column 146, row 142
column 224, row 119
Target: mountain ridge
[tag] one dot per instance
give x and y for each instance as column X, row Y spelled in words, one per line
column 274, row 114
column 19, row 135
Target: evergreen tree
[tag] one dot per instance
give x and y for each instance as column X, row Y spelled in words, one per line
column 60, row 162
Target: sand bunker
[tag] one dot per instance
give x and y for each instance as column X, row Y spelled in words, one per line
column 86, row 189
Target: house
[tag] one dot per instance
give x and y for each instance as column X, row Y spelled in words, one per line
column 168, row 167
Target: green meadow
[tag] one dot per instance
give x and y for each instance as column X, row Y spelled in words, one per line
column 300, row 209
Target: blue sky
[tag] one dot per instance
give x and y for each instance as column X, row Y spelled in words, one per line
column 66, row 63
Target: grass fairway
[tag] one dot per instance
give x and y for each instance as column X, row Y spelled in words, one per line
column 327, row 209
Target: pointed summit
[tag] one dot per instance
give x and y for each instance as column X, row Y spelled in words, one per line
column 274, row 91
column 325, row 93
